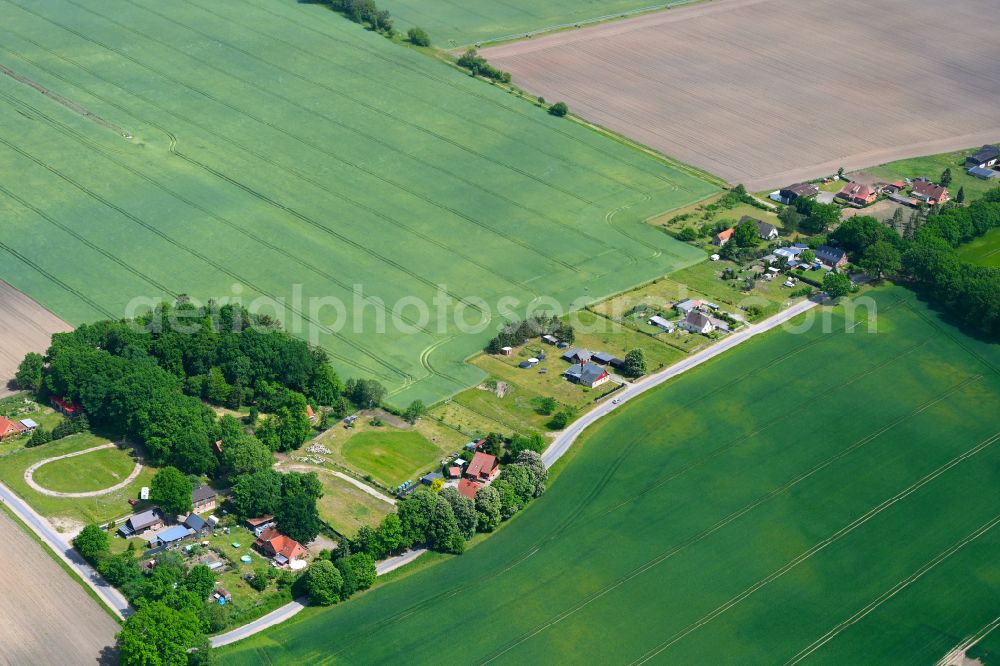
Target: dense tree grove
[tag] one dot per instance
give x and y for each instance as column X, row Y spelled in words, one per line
column 518, row 332
column 290, row 497
column 926, row 257
column 968, row 292
column 149, row 379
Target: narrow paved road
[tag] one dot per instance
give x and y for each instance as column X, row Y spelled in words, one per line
column 566, row 438
column 556, row 450
column 293, row 608
column 111, row 597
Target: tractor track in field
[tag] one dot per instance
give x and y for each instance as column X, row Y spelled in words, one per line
column 444, row 111
column 256, row 193
column 480, row 98
column 52, row 278
column 329, row 119
column 735, row 515
column 894, row 590
column 802, row 557
column 397, row 119
column 172, row 149
column 64, row 101
column 180, row 246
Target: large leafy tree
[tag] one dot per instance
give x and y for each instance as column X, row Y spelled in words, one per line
column 171, row 490
column 881, row 259
column 92, row 543
column 488, row 509
column 257, row 494
column 158, row 635
column 29, row 373
column 635, row 363
column 390, row 534
column 836, row 285
column 323, row 583
column 464, row 510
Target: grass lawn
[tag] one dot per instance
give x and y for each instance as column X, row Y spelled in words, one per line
column 476, row 424
column 347, row 507
column 93, row 471
column 261, row 176
column 984, row 250
column 932, row 166
column 795, row 496
column 707, row 212
column 67, row 512
column 701, row 281
column 452, row 24
column 550, row 383
column 516, row 411
column 390, row 456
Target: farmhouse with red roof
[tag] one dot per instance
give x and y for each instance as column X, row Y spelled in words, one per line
column 279, row 547
column 483, row 468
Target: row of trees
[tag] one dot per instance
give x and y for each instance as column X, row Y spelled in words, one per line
column 517, row 333
column 478, row 66
column 968, row 292
column 444, row 520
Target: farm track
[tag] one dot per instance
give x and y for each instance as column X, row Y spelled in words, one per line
column 30, row 472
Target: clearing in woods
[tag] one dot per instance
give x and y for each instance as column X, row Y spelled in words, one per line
column 739, row 513
column 25, row 327
column 46, row 616
column 280, row 151
column 772, row 92
column 984, row 250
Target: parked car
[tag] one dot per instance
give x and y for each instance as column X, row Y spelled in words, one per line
column 133, row 502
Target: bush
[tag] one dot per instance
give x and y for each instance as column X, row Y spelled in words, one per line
column 418, row 36
column 559, row 109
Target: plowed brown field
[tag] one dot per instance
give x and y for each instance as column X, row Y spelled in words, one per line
column 24, row 327
column 769, row 92
column 45, row 616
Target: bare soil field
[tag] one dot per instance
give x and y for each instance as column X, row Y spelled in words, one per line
column 770, row 92
column 45, row 616
column 24, row 327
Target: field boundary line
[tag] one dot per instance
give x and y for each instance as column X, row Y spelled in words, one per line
column 582, row 23
column 816, row 548
column 894, row 590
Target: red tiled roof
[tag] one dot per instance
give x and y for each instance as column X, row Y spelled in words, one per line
column 857, row 191
column 468, row 488
column 724, row 235
column 482, row 466
column 275, row 543
column 309, row 412
column 929, row 190
column 8, row 427
column 455, row 472
column 66, row 406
